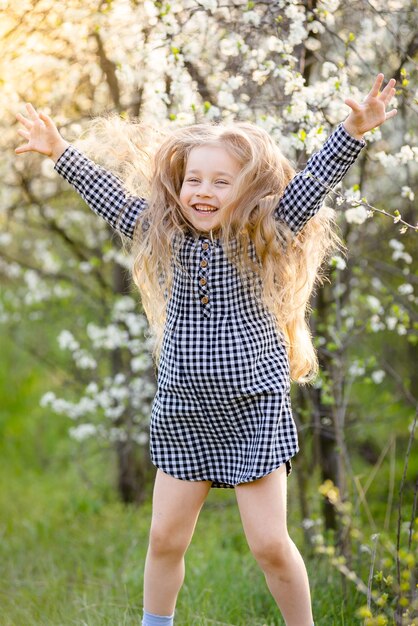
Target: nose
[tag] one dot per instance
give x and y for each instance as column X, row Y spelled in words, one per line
column 204, row 190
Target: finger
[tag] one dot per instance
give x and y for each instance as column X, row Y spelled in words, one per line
column 391, row 114
column 376, row 86
column 352, row 104
column 32, row 113
column 24, row 133
column 389, row 96
column 388, row 88
column 24, row 120
column 45, row 118
column 22, row 149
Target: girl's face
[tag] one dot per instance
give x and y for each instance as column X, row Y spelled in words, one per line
column 208, row 180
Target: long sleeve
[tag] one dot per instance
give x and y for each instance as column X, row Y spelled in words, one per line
column 104, row 192
column 305, row 193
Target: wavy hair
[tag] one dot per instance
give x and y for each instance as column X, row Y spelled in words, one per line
column 266, row 252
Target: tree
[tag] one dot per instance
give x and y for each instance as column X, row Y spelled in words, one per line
column 285, row 65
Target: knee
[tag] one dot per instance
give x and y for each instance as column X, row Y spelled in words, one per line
column 166, row 542
column 272, row 552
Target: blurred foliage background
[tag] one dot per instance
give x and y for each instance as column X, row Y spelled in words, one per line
column 76, row 379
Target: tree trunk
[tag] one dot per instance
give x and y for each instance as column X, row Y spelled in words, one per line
column 133, row 461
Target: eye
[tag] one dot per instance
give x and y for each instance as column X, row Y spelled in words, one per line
column 222, row 182
column 192, row 180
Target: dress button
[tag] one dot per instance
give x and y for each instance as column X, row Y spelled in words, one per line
column 205, row 245
column 204, row 300
column 203, row 263
column 203, row 282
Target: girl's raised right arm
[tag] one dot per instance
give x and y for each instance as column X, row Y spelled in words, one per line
column 104, row 192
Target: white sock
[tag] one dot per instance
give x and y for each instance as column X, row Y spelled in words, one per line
column 157, row 620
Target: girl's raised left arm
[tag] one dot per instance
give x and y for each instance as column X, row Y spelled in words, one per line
column 305, row 193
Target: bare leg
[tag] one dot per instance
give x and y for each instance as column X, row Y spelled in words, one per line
column 262, row 506
column 176, row 507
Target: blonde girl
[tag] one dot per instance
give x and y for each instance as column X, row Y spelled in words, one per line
column 226, row 252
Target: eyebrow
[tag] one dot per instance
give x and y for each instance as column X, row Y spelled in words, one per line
column 216, row 173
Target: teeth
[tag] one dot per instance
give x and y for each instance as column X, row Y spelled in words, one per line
column 205, row 208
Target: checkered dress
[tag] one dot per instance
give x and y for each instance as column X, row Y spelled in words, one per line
column 222, row 409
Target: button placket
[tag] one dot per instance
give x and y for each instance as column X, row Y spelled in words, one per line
column 205, row 252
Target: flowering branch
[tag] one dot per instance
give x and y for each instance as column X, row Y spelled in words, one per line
column 396, row 216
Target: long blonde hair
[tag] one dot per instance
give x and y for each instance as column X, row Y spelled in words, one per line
column 287, row 265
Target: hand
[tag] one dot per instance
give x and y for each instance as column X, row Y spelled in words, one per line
column 41, row 134
column 371, row 112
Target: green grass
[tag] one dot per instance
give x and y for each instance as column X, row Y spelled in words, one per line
column 72, row 554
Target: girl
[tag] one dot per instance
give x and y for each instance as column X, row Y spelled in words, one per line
column 225, row 253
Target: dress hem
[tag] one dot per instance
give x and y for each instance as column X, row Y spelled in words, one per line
column 218, row 484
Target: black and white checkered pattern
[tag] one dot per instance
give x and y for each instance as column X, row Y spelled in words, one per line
column 222, row 409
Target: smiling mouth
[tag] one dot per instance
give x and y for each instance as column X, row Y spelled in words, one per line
column 204, row 208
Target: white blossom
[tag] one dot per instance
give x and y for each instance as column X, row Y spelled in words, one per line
column 338, row 262
column 405, row 289
column 109, row 338
column 85, row 267
column 141, row 438
column 328, row 69
column 308, row 523
column 389, row 161
column 114, row 412
column 405, row 256
column 232, row 45
column 292, row 12
column 312, row 43
column 274, row 44
column 225, row 99
column 140, row 363
column 407, row 192
column 61, row 291
column 234, row 82
column 119, row 379
column 297, row 33
column 83, row 431
column 66, row 341
column 251, row 17
column 356, row 369
column 293, row 82
column 374, row 304
column 12, row 270
column 378, row 376
column 84, row 360
column 396, row 244
column 209, row 5
column 296, row 111
column 391, row 322
column 150, row 8
column 329, row 5
column 92, row 388
column 47, row 398
column 349, row 322
column 119, row 393
column 123, row 305
column 213, row 113
column 357, row 215
column 376, row 323
column 5, row 239
column 406, row 154
column 104, row 399
column 47, row 169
